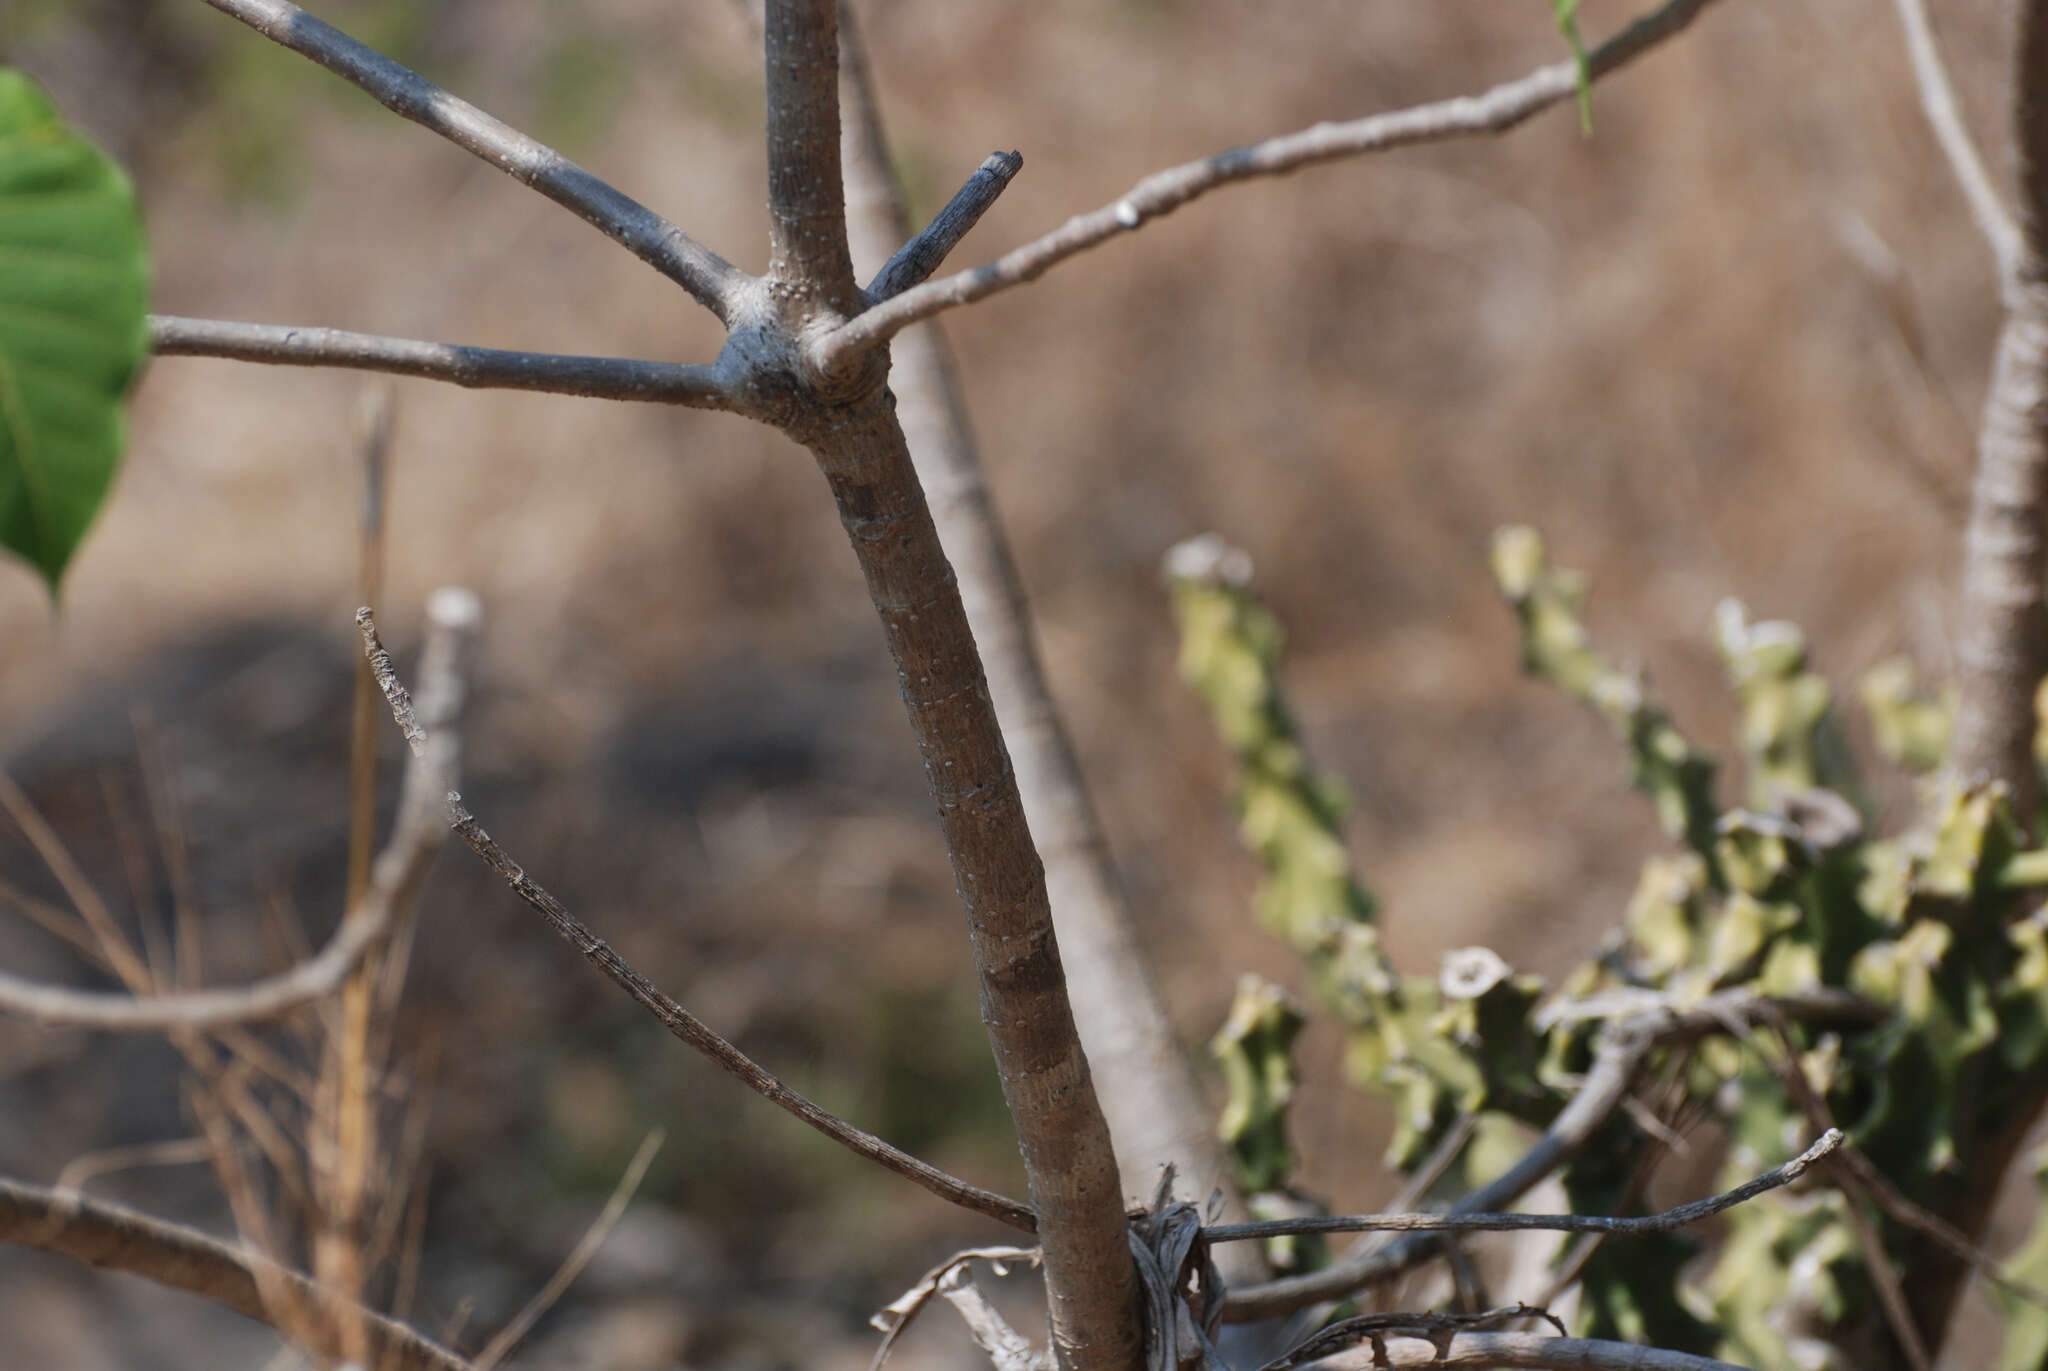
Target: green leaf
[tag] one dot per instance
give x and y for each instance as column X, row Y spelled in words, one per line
column 73, row 328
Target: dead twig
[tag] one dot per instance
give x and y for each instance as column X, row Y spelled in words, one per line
column 1470, row 1222
column 672, row 1016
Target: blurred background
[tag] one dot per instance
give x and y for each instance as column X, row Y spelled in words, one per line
column 1731, row 344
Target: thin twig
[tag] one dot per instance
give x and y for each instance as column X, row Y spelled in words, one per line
column 713, row 281
column 677, row 1020
column 118, row 1239
column 170, row 1152
column 917, row 259
column 565, row 1275
column 399, row 872
column 1522, row 1351
column 1623, row 1049
column 1945, row 118
column 1468, row 1222
column 1494, row 111
column 345, row 1116
column 1377, row 1328
column 608, row 378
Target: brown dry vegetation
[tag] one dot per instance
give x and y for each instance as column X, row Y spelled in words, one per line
column 1655, row 344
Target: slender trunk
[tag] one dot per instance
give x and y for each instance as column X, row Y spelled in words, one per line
column 1156, row 1113
column 2003, row 648
column 2002, row 653
column 1060, row 1128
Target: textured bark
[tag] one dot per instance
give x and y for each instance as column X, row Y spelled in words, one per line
column 1060, row 1128
column 806, row 206
column 848, row 421
column 1156, row 1113
column 2002, row 653
column 2005, row 561
column 2003, row 648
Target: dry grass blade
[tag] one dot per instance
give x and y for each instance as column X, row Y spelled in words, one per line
column 622, row 1195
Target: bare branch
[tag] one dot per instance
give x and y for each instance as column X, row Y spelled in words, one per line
column 395, row 880
column 1524, row 1351
column 1470, row 1222
column 677, row 1020
column 917, row 259
column 1623, row 1049
column 1494, row 111
column 806, row 203
column 608, row 378
column 117, row 1239
column 1945, row 117
column 711, row 280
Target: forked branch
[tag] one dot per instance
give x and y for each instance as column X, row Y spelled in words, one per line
column 1494, row 111
column 710, row 279
column 608, row 378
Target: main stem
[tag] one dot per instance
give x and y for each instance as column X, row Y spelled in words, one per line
column 1156, row 1113
column 1061, row 1132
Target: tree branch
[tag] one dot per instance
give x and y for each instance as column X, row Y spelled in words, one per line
column 1945, row 118
column 608, row 378
column 117, row 1239
column 806, row 204
column 677, row 1020
column 395, row 879
column 1623, row 1048
column 714, row 282
column 1494, row 111
column 920, row 257
column 1157, row 1116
